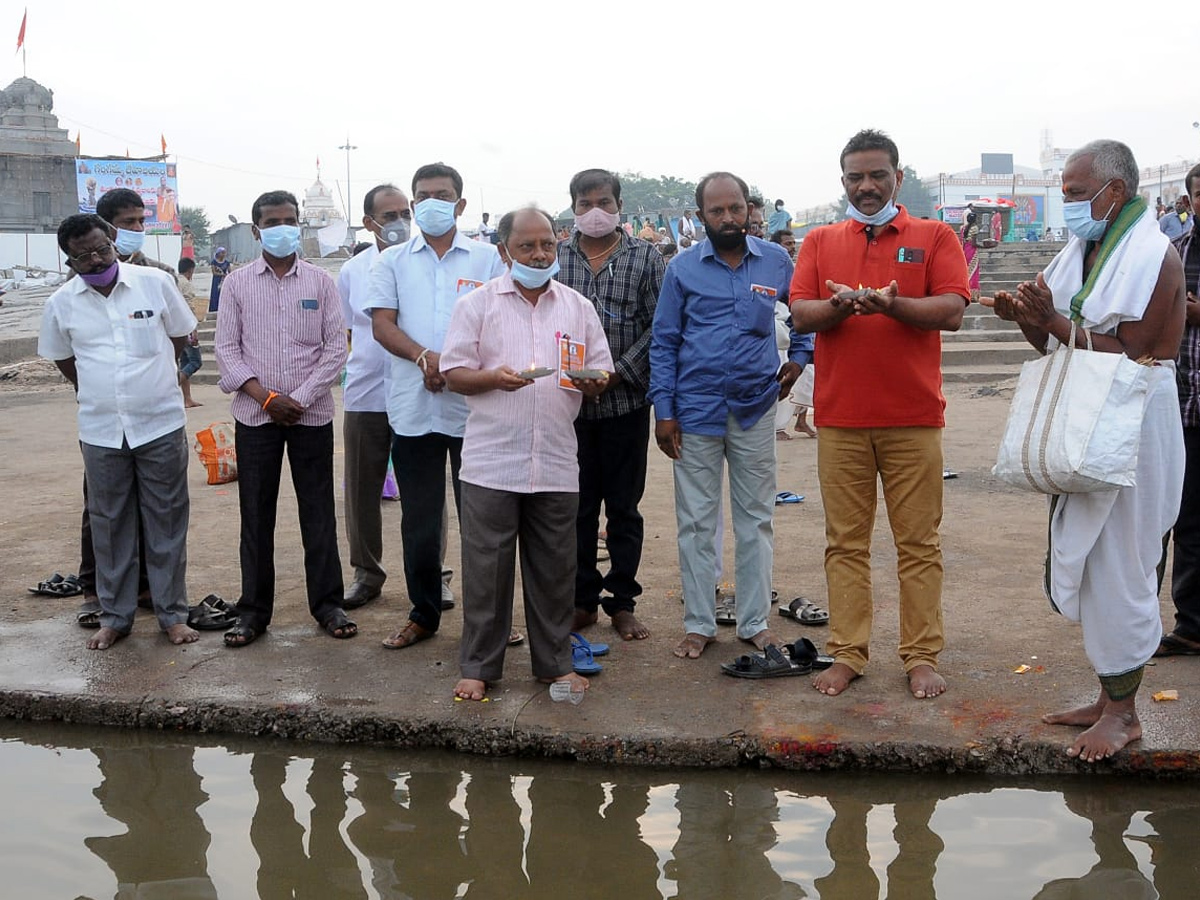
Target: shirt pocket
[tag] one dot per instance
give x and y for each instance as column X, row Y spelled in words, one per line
column 142, row 336
column 760, row 319
column 305, row 323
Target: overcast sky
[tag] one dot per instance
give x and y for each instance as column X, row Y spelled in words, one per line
column 520, row 96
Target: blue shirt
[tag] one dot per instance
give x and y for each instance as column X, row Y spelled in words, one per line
column 713, row 350
column 1173, row 226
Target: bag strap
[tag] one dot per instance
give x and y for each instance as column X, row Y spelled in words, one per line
column 1066, row 353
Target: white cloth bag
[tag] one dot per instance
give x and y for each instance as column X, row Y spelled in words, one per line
column 1075, row 423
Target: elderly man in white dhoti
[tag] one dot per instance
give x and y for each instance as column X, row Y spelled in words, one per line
column 1118, row 277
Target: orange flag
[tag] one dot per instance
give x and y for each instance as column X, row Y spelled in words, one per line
column 21, row 33
column 163, row 138
column 77, row 146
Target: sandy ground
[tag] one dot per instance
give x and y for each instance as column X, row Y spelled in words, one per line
column 996, row 620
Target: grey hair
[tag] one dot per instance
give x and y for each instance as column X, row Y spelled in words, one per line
column 1111, row 160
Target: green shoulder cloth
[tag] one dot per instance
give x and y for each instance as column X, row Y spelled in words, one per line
column 1130, row 213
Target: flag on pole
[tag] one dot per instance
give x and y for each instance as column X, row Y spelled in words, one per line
column 78, row 150
column 21, row 33
column 163, row 138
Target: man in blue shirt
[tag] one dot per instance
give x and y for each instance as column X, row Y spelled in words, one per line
column 781, row 219
column 714, row 380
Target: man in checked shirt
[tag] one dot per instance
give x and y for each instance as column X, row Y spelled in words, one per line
column 622, row 277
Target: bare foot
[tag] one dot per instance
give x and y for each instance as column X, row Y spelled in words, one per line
column 762, row 639
column 628, row 626
column 192, row 404
column 1112, row 731
column 925, row 683
column 782, row 436
column 182, row 634
column 583, row 619
column 835, row 679
column 692, row 645
column 470, row 689
column 105, row 638
column 1085, row 716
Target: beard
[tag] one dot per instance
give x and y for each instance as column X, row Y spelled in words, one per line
column 726, row 238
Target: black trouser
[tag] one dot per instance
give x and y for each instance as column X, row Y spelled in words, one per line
column 1185, row 571
column 420, row 467
column 260, row 450
column 87, row 554
column 612, row 471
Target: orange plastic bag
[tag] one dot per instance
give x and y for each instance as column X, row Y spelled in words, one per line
column 214, row 445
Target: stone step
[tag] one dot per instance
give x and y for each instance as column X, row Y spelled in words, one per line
column 987, row 353
column 1011, row 334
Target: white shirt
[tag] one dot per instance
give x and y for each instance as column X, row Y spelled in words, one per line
column 128, row 388
column 686, row 227
column 423, row 289
column 367, row 366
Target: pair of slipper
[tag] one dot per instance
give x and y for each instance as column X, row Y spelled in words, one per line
column 584, row 653
column 337, row 625
column 212, row 614
column 58, row 586
column 799, row 658
column 805, row 612
column 726, row 611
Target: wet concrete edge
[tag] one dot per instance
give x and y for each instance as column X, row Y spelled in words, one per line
column 1005, row 756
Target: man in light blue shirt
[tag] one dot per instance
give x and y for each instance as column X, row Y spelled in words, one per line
column 714, row 380
column 414, row 287
column 1177, row 223
column 780, row 220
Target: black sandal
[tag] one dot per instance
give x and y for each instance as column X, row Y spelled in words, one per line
column 241, row 635
column 339, row 626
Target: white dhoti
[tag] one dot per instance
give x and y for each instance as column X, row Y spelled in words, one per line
column 1105, row 547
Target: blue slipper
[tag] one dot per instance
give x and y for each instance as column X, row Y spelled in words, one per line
column 582, row 657
column 788, row 497
column 598, row 649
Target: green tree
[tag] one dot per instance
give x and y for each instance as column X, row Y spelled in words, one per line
column 195, row 218
column 641, row 194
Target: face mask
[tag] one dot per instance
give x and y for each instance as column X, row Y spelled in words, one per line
column 129, row 242
column 533, row 278
column 886, row 213
column 434, row 217
column 597, row 223
column 281, row 241
column 1077, row 214
column 393, row 233
column 103, row 278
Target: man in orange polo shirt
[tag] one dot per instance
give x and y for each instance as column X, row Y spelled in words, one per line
column 877, row 289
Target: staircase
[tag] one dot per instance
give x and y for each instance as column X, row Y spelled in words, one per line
column 988, row 349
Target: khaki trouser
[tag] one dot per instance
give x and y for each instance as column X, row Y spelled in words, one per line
column 909, row 463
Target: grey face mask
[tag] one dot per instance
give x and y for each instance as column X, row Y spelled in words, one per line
column 394, row 233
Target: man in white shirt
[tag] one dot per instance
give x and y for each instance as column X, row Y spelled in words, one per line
column 412, row 293
column 116, row 332
column 687, row 228
column 366, row 435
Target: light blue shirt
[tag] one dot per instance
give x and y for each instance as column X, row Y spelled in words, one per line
column 713, row 350
column 423, row 289
column 780, row 220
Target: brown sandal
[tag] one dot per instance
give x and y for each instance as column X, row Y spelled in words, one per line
column 410, row 634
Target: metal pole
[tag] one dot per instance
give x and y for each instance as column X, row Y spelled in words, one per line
column 348, row 147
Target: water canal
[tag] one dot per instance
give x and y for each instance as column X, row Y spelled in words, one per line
column 97, row 813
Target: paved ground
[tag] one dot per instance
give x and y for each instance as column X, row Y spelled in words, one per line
column 646, row 707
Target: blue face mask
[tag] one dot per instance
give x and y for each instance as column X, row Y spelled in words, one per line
column 1077, row 214
column 129, row 242
column 532, row 278
column 281, row 241
column 434, row 217
column 886, row 213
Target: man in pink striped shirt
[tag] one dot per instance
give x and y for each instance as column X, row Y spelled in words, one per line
column 520, row 472
column 280, row 345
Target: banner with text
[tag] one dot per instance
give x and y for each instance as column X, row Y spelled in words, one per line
column 155, row 182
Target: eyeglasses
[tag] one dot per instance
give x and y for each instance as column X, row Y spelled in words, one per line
column 101, row 254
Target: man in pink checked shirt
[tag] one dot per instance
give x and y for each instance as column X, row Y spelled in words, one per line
column 281, row 343
column 520, row 473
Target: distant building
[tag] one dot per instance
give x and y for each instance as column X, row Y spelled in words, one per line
column 37, row 161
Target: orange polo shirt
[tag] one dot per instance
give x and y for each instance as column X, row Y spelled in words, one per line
column 873, row 371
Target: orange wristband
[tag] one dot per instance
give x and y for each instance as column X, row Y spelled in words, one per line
column 270, row 396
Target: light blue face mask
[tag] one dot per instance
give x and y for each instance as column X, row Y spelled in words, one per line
column 434, row 217
column 129, row 242
column 886, row 213
column 1077, row 214
column 533, row 278
column 281, row 241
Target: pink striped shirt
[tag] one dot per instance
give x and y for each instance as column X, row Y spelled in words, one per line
column 522, row 441
column 286, row 332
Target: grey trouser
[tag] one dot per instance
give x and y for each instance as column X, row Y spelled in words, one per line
column 368, row 443
column 492, row 522
column 751, row 458
column 152, row 477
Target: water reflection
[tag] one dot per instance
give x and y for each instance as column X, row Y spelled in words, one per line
column 137, row 816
